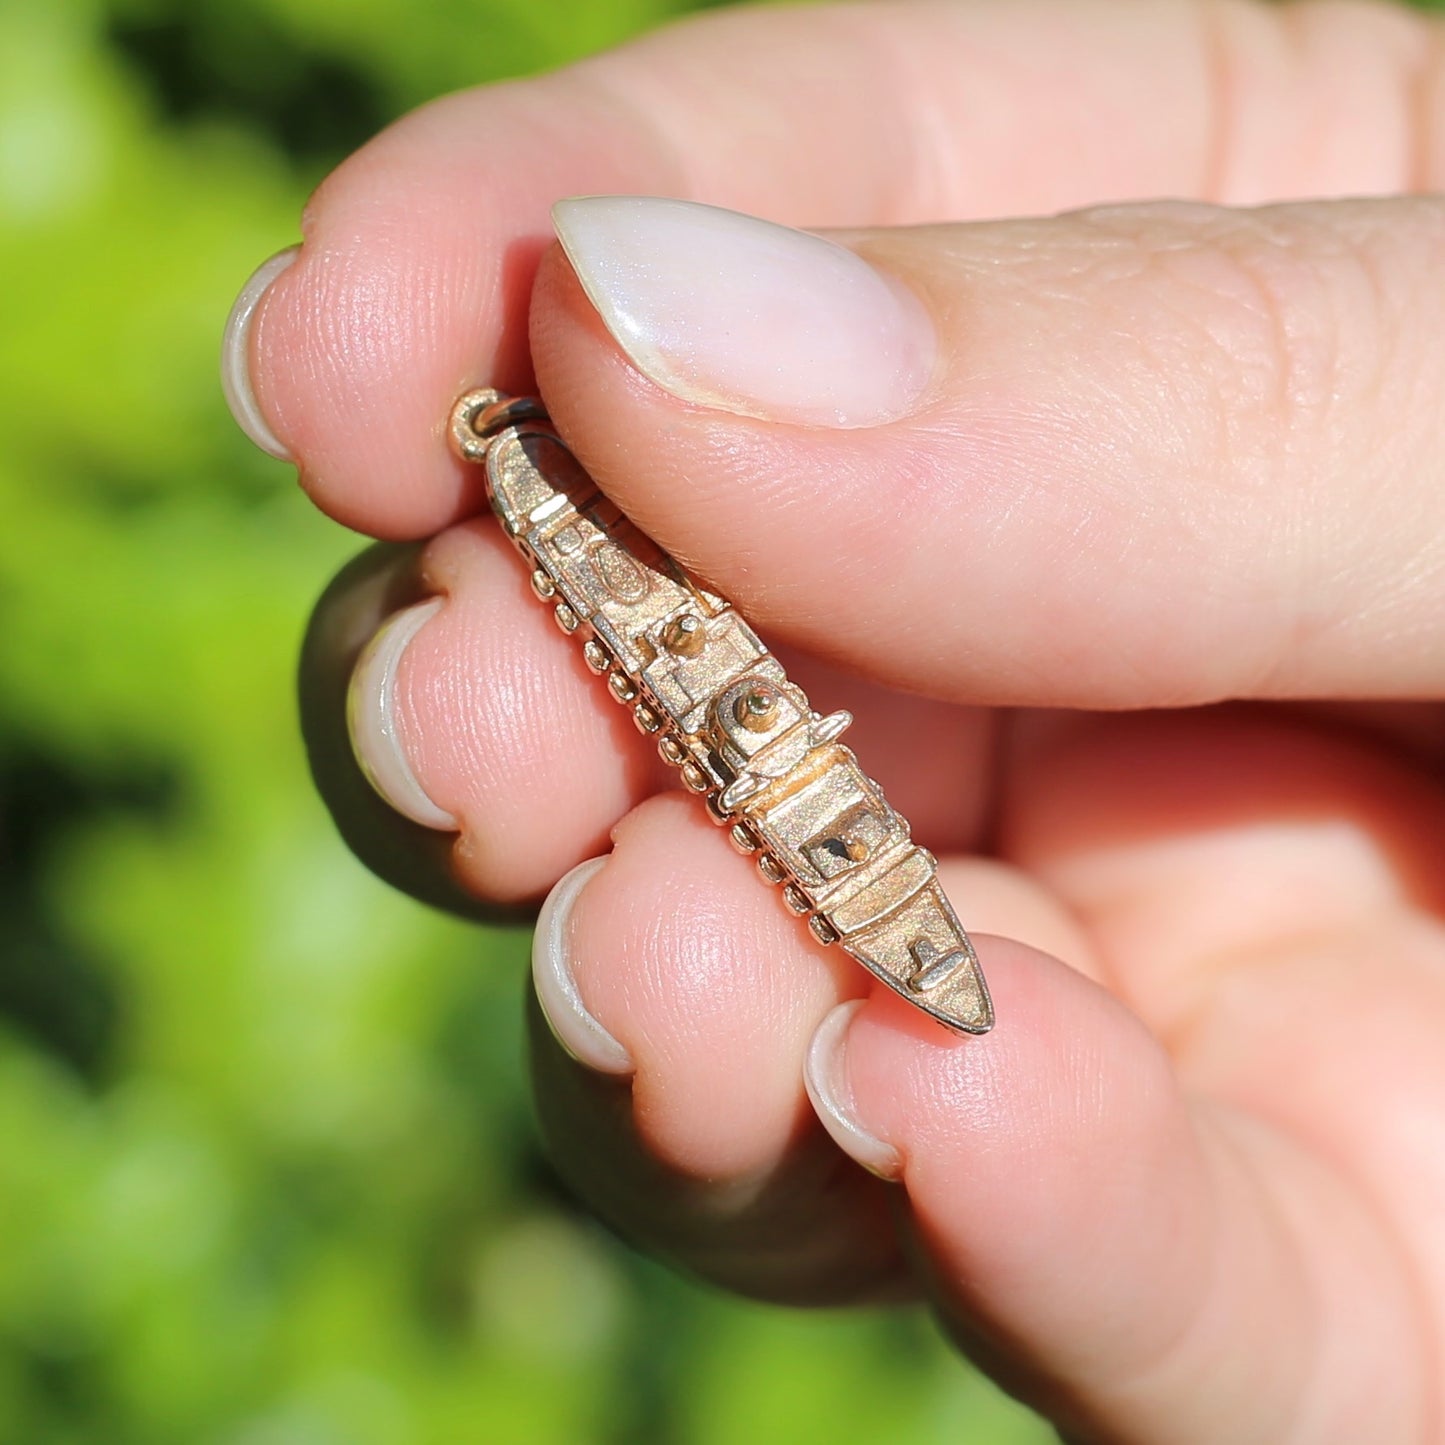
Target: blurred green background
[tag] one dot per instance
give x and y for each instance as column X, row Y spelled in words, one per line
column 267, row 1171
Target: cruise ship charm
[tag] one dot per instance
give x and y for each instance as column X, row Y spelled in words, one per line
column 696, row 677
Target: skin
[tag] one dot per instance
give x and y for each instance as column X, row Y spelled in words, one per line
column 1173, row 723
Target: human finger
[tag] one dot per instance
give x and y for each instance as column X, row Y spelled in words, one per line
column 681, row 998
column 419, row 252
column 1137, row 1264
column 504, row 761
column 380, row 582
column 1139, row 456
column 477, row 725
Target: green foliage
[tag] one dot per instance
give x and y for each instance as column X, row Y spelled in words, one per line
column 267, row 1174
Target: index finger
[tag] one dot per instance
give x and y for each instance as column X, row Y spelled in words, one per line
column 420, row 250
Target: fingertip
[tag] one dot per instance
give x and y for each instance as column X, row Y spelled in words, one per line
column 1054, row 1177
column 505, row 728
column 377, row 584
column 737, row 313
column 710, row 985
column 576, row 1029
column 236, row 355
column 353, row 367
column 371, row 718
column 1064, row 1062
column 903, row 1095
column 825, row 1077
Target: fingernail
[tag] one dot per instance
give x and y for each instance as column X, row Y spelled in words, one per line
column 572, row 1026
column 729, row 311
column 826, row 1079
column 371, row 718
column 236, row 355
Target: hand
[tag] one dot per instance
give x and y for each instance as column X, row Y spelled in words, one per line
column 1149, row 457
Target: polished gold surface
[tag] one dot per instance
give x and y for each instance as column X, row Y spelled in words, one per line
column 726, row 716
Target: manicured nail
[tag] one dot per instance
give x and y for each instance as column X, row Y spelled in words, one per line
column 729, row 311
column 825, row 1076
column 371, row 718
column 572, row 1026
column 236, row 355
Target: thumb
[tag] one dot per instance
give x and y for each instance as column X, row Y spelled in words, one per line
column 1139, row 456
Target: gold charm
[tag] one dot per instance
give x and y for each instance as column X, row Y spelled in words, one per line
column 725, row 715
